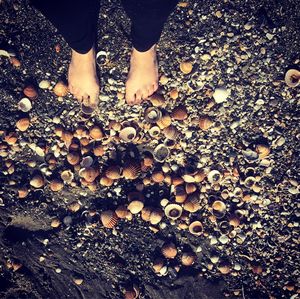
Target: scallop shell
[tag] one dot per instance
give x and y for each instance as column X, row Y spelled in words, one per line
column 158, row 176
column 161, row 153
column 113, row 172
column 173, row 211
column 169, row 250
column 192, row 203
column 171, row 132
column 25, row 105
column 56, row 185
column 157, row 100
column 30, row 92
column 109, row 218
column 131, row 169
column 179, row 112
column 174, row 94
column 67, row 176
column 23, row 124
column 60, row 89
column 73, row 158
column 188, row 258
column 154, row 131
column 135, row 206
column 37, row 181
column 164, row 121
column 180, row 193
column 262, row 150
column 98, row 151
column 146, row 213
column 196, row 228
column 214, row 176
column 190, row 188
column 127, row 134
column 95, row 132
column 205, row 123
column 89, row 174
column 155, row 216
column 105, row 181
column 152, row 114
column 186, row 67
column 292, row 78
column 121, row 212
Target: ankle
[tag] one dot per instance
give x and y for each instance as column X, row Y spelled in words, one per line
column 90, row 55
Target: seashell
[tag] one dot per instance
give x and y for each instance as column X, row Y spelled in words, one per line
column 154, row 131
column 155, row 216
column 105, row 181
column 190, row 188
column 186, row 67
column 67, row 138
column 131, row 293
column 224, row 267
column 292, row 78
column 73, row 158
column 180, row 193
column 135, row 206
column 157, row 99
column 37, row 181
column 158, row 264
column 161, row 153
column 262, row 150
column 55, row 223
column 11, row 138
column 89, row 174
column 23, row 192
column 30, row 92
column 146, row 213
column 25, row 105
column 179, row 112
column 221, row 94
column 173, row 211
column 169, row 250
column 15, row 61
column 200, row 176
column 121, row 212
column 192, row 203
column 102, row 58
column 169, row 143
column 127, row 134
column 249, row 181
column 87, row 161
column 171, row 132
column 113, row 172
column 23, row 124
column 188, row 258
column 196, row 228
column 74, row 206
column 131, row 169
column 152, row 114
column 164, row 121
column 88, row 110
column 174, row 94
column 56, row 185
column 109, row 218
column 163, row 80
column 214, row 176
column 60, row 89
column 219, row 208
column 98, row 151
column 44, row 84
column 158, row 176
column 95, row 132
column 67, row 176
column 205, row 123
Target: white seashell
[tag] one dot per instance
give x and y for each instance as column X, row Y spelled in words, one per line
column 214, row 176
column 221, row 94
column 24, row 105
column 127, row 134
column 161, row 153
column 173, row 211
column 152, row 114
column 154, row 131
column 44, row 84
column 101, row 57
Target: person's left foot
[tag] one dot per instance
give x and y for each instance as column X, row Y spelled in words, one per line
column 142, row 80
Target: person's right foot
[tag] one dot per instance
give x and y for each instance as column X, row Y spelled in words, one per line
column 82, row 77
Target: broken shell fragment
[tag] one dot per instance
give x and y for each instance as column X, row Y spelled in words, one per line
column 44, row 84
column 186, row 67
column 24, row 105
column 67, row 176
column 127, row 134
column 196, row 228
column 205, row 123
column 262, row 150
column 109, row 218
column 220, row 94
column 30, row 92
column 292, row 78
column 173, row 211
column 161, row 153
column 169, row 250
column 60, row 89
column 23, row 124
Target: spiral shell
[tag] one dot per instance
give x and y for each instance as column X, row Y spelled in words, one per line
column 73, row 158
column 205, row 123
column 173, row 211
column 152, row 114
column 121, row 212
column 292, row 78
column 179, row 112
column 169, row 250
column 196, row 228
column 186, row 67
column 25, row 105
column 30, row 92
column 188, row 258
column 135, row 206
column 131, row 169
column 56, row 185
column 113, row 172
column 262, row 150
column 128, row 134
column 171, row 132
column 37, row 181
column 164, row 121
column 157, row 100
column 23, row 124
column 109, row 218
column 192, row 203
column 60, row 89
column 95, row 132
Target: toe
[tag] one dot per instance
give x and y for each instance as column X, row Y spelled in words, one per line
column 129, row 96
column 155, row 86
column 138, row 97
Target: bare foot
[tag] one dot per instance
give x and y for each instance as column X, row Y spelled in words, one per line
column 82, row 77
column 142, row 80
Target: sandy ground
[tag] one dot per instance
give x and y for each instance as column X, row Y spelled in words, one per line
column 234, row 159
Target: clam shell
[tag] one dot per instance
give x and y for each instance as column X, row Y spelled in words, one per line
column 109, row 218
column 152, row 114
column 224, row 267
column 89, row 174
column 188, row 258
column 102, row 58
column 131, row 169
column 157, row 100
column 135, row 206
column 164, row 121
column 292, row 78
column 121, row 212
column 171, row 132
column 60, row 89
column 174, row 94
column 169, row 250
column 74, row 206
column 146, row 213
column 56, row 185
column 186, row 67
column 23, row 124
column 87, row 161
column 98, row 150
column 214, row 176
column 95, row 132
column 105, row 181
column 127, row 134
column 205, row 123
column 179, row 112
column 161, row 153
column 173, row 211
column 155, row 216
column 158, row 264
column 180, row 193
column 37, row 181
column 11, row 138
column 30, row 92
column 73, row 158
column 196, row 228
column 154, row 131
column 23, row 192
column 25, row 105
column 158, row 176
column 192, row 203
column 113, row 172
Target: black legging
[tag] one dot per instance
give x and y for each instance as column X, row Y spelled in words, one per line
column 76, row 20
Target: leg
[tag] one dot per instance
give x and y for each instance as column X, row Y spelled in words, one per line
column 148, row 18
column 76, row 20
